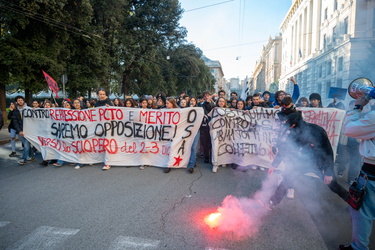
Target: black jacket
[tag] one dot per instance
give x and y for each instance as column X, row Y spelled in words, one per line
column 17, row 120
column 207, row 107
column 100, row 103
column 305, row 143
column 11, row 123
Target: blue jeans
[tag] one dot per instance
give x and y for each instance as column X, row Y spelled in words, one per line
column 193, row 155
column 363, row 218
column 27, row 152
column 60, row 162
column 13, row 135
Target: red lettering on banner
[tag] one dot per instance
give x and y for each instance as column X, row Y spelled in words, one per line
column 159, row 117
column 326, row 120
column 129, row 148
column 54, row 143
column 72, row 115
column 110, row 114
column 99, row 145
column 79, row 147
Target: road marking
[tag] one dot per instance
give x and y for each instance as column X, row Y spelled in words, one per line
column 129, row 243
column 4, row 223
column 44, row 238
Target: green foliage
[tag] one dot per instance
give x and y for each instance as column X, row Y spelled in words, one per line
column 121, row 45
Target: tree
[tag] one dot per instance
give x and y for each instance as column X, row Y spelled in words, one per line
column 121, row 45
column 149, row 26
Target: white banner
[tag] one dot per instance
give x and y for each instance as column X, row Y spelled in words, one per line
column 246, row 137
column 115, row 136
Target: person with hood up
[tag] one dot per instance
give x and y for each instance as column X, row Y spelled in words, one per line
column 305, row 143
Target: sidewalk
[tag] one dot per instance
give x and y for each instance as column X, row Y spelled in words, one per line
column 5, row 135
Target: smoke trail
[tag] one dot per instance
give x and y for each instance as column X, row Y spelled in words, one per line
column 243, row 216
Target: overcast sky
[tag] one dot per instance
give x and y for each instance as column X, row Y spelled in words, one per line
column 219, row 30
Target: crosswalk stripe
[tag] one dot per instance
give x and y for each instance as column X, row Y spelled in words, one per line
column 44, row 237
column 129, row 243
column 4, row 223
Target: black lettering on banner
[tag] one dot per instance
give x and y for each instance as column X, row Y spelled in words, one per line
column 188, row 130
column 54, row 129
column 165, row 133
column 266, row 125
column 101, row 130
column 182, row 148
column 131, row 115
column 229, row 133
column 175, row 131
column 189, row 119
column 128, row 126
column 241, row 149
column 67, row 130
column 138, row 130
column 219, row 135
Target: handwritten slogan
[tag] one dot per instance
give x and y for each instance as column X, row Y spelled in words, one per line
column 246, row 137
column 115, row 136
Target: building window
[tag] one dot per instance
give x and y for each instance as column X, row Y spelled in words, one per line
column 339, row 83
column 328, row 86
column 334, row 34
column 318, row 88
column 324, row 41
column 328, row 67
column 320, row 69
column 340, row 64
column 345, row 28
column 325, row 13
column 335, row 5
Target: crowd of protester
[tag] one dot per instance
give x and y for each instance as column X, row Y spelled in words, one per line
column 207, row 101
column 348, row 157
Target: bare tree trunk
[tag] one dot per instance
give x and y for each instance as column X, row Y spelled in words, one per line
column 126, row 83
column 28, row 96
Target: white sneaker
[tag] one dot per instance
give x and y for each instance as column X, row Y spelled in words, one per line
column 215, row 168
column 262, row 169
column 106, row 167
column 142, row 167
column 77, row 167
column 290, row 193
column 254, row 167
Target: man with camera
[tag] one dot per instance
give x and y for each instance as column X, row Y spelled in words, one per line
column 362, row 191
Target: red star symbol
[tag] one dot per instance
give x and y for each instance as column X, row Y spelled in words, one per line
column 178, row 160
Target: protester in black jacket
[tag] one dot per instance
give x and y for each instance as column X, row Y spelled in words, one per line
column 205, row 137
column 103, row 101
column 305, row 149
column 103, row 98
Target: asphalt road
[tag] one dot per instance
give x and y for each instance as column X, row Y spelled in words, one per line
column 128, row 208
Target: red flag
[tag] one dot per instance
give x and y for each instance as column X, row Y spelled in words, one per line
column 52, row 84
